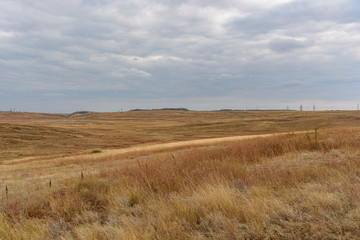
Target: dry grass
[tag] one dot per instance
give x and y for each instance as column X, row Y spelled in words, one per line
column 281, row 187
column 32, row 134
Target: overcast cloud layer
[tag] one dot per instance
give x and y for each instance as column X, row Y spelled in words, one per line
column 107, row 55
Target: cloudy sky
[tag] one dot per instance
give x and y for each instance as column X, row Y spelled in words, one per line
column 108, row 55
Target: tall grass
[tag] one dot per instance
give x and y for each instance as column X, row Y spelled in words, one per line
column 281, row 187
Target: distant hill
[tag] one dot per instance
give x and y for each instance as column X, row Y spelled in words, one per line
column 81, row 112
column 161, row 109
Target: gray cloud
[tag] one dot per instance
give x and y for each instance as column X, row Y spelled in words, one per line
column 144, row 51
column 288, row 44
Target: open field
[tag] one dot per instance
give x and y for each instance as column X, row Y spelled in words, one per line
column 33, row 134
column 157, row 181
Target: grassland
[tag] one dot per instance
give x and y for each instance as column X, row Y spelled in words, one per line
column 288, row 186
column 34, row 134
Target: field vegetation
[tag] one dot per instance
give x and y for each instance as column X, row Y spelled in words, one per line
column 34, row 134
column 297, row 185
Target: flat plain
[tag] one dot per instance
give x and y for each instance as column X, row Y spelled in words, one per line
column 180, row 175
column 36, row 134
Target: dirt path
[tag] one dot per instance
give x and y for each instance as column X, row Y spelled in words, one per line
column 139, row 149
column 188, row 143
column 28, row 171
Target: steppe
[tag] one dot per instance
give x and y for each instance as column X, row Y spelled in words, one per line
column 180, row 175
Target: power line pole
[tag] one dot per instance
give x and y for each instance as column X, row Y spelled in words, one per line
column 301, row 108
column 314, row 107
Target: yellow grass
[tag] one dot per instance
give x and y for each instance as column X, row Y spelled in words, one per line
column 32, row 134
column 289, row 186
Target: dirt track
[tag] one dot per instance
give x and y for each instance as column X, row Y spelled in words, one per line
column 20, row 171
column 200, row 142
column 139, row 149
column 52, row 167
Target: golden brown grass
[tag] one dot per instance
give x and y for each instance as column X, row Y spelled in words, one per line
column 33, row 134
column 281, row 187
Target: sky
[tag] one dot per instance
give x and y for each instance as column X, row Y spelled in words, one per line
column 61, row 56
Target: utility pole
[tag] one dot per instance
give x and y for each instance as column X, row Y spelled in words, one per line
column 314, row 107
column 301, row 107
